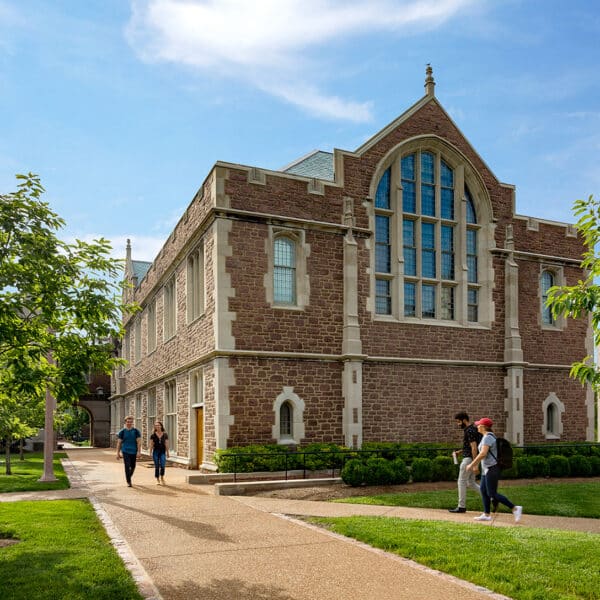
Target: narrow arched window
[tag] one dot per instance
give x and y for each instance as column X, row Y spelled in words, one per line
column 284, row 272
column 383, row 246
column 551, row 419
column 472, row 260
column 547, row 282
column 285, row 420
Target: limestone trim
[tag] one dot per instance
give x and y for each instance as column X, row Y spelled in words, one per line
column 552, row 430
column 222, row 317
column 351, row 343
column 298, row 406
column 404, row 117
column 224, row 378
column 513, row 405
column 321, row 183
column 352, row 412
column 534, row 256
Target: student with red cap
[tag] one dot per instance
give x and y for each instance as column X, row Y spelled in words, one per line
column 490, row 473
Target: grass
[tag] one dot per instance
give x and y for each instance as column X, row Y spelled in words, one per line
column 25, row 473
column 560, row 499
column 63, row 553
column 522, row 563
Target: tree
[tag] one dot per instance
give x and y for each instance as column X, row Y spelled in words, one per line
column 60, row 303
column 583, row 299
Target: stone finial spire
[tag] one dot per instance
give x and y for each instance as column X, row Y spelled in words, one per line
column 429, row 82
column 128, row 250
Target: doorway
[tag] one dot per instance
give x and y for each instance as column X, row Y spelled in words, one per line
column 199, row 436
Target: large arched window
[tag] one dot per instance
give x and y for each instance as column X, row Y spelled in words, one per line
column 425, row 209
column 284, row 272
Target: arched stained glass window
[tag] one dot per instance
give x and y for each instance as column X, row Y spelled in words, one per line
column 284, row 273
column 433, row 243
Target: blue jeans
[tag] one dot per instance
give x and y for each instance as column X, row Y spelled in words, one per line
column 160, row 461
column 488, row 487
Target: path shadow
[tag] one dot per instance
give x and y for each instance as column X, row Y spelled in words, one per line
column 191, row 527
column 224, row 589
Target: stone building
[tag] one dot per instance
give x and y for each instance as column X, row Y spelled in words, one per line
column 355, row 296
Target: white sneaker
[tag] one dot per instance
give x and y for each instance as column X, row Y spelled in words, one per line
column 518, row 513
column 483, row 517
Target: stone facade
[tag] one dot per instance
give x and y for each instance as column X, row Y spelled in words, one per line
column 331, row 365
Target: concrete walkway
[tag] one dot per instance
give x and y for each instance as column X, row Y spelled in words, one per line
column 183, row 542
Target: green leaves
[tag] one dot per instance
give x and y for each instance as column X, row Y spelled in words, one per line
column 583, row 299
column 56, row 298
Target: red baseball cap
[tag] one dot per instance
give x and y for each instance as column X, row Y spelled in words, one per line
column 485, row 421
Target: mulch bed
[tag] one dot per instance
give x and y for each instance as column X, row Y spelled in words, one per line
column 332, row 492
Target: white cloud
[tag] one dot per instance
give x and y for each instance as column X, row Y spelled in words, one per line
column 273, row 44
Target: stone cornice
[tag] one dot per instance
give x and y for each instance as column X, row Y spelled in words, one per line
column 309, row 356
column 535, row 256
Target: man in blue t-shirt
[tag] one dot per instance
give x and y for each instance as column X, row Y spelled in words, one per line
column 129, row 442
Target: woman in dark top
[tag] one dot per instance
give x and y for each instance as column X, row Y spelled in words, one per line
column 159, row 446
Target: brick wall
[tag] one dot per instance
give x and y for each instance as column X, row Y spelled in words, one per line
column 417, row 403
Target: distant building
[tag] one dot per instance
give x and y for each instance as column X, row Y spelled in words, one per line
column 355, row 296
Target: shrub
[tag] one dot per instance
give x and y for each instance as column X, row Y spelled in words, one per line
column 256, row 457
column 422, row 469
column 378, row 472
column 400, row 471
column 580, row 466
column 444, row 469
column 595, row 464
column 389, row 450
column 558, row 466
column 321, row 456
column 540, row 465
column 354, row 472
column 524, row 466
column 410, row 452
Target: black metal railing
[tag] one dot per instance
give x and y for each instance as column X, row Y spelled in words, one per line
column 334, row 460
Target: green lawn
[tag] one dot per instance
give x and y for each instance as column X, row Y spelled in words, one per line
column 25, row 473
column 560, row 499
column 63, row 553
column 522, row 563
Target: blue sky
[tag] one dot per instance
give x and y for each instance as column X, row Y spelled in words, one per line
column 122, row 107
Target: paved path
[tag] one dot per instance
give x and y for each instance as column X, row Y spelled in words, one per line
column 183, row 542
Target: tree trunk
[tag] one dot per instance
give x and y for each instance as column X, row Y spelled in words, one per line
column 8, row 441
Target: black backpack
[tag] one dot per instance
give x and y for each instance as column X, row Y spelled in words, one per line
column 505, row 453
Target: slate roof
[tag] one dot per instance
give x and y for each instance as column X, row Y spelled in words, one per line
column 140, row 268
column 317, row 164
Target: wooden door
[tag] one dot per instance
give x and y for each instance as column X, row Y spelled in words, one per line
column 200, row 435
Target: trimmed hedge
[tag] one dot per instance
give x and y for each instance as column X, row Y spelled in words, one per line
column 421, row 469
column 558, row 466
column 444, row 469
column 379, row 463
column 580, row 466
column 353, row 472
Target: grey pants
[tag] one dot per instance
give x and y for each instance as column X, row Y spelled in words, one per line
column 465, row 479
